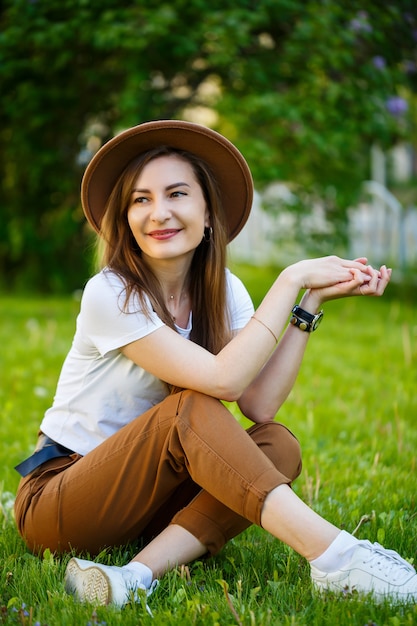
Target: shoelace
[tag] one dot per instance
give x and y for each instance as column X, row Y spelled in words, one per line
column 388, row 561
column 149, row 591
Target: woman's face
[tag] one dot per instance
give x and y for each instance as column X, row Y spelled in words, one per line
column 167, row 211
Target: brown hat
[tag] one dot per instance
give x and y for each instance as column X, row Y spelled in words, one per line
column 226, row 162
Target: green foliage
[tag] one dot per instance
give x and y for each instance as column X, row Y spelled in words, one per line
column 303, row 88
column 353, row 409
column 319, row 87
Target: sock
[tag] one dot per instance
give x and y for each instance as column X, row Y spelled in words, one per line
column 332, row 559
column 135, row 572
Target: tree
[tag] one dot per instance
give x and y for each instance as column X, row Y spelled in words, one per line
column 302, row 86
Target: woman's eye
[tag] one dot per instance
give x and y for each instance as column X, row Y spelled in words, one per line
column 140, row 199
column 177, row 194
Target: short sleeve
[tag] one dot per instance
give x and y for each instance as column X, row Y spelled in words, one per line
column 239, row 301
column 105, row 322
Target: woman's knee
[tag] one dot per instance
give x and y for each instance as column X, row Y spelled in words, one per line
column 188, row 398
column 280, row 445
column 195, row 408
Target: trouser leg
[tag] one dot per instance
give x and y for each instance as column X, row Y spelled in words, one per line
column 214, row 523
column 112, row 494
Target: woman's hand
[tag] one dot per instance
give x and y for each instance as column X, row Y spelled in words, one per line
column 366, row 281
column 327, row 271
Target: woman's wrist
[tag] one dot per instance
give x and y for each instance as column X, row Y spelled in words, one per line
column 311, row 301
column 293, row 276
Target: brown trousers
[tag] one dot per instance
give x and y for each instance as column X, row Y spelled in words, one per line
column 186, row 461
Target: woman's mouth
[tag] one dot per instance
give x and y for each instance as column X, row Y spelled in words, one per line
column 162, row 235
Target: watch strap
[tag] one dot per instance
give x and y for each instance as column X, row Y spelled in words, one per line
column 304, row 320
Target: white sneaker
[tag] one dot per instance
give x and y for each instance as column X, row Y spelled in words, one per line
column 102, row 584
column 372, row 569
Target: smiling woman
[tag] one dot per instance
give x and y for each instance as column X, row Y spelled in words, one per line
column 163, row 211
column 167, row 220
column 137, row 443
column 154, row 215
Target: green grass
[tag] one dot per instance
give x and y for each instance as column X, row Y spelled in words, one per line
column 353, row 408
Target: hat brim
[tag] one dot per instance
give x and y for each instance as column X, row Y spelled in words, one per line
column 224, row 159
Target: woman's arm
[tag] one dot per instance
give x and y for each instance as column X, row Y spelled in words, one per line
column 226, row 375
column 262, row 399
column 269, row 390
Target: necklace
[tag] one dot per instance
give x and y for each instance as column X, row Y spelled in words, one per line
column 175, row 306
column 183, row 296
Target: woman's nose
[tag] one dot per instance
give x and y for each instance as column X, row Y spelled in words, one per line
column 160, row 210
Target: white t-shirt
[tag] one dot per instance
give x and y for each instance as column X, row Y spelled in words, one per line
column 99, row 389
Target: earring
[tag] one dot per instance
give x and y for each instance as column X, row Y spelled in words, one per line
column 208, row 232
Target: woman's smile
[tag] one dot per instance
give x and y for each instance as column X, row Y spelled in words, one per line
column 163, row 235
column 167, row 206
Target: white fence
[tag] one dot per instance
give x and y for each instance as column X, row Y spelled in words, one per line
column 380, row 228
column 384, row 227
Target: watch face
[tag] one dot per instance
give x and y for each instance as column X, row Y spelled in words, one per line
column 317, row 321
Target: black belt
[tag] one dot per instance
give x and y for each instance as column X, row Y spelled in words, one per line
column 46, row 450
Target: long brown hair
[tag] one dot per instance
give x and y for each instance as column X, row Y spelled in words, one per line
column 207, row 279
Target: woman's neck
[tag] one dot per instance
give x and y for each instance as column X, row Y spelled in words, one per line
column 173, row 276
column 174, row 280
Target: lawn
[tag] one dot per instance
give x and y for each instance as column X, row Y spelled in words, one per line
column 353, row 409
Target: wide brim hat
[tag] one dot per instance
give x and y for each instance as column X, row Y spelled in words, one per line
column 224, row 159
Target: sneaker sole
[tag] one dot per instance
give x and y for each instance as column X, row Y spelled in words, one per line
column 89, row 585
column 391, row 596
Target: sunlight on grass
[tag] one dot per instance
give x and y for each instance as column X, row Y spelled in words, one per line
column 353, row 409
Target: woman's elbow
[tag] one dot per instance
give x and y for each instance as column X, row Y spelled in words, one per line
column 230, row 395
column 255, row 412
column 230, row 390
column 259, row 417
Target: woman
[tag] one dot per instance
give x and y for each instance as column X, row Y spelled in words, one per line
column 137, row 443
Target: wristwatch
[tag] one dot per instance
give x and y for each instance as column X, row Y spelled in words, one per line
column 304, row 320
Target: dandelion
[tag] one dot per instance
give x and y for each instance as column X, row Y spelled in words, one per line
column 40, row 392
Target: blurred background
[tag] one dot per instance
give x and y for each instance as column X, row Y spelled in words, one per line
column 319, row 95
